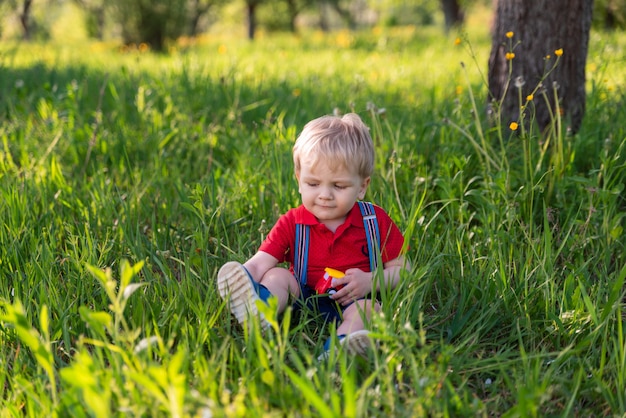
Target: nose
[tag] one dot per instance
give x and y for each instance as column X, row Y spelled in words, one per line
column 326, row 193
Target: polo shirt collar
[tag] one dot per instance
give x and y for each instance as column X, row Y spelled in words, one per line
column 303, row 216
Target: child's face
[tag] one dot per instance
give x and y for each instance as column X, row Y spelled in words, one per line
column 330, row 192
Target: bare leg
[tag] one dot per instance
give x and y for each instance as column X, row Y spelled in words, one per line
column 356, row 340
column 353, row 316
column 235, row 287
column 281, row 284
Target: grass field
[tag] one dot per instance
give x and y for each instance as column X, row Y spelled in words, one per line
column 128, row 178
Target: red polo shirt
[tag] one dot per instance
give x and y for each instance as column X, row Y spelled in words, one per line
column 344, row 249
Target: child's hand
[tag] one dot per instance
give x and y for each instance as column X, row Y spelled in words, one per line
column 357, row 284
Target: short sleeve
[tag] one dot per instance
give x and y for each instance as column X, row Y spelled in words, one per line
column 280, row 240
column 391, row 237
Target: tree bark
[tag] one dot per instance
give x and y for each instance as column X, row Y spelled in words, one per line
column 251, row 9
column 25, row 18
column 99, row 16
column 453, row 15
column 152, row 26
column 196, row 12
column 541, row 27
column 323, row 8
column 292, row 7
column 344, row 13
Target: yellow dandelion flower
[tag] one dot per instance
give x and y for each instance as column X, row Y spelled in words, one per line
column 558, row 52
column 459, row 90
column 344, row 39
column 509, row 56
column 509, row 34
column 530, row 97
column 221, row 49
column 457, row 41
column 513, row 126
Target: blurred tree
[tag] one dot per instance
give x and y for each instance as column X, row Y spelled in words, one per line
column 452, row 13
column 32, row 25
column 343, row 10
column 282, row 15
column 25, row 18
column 609, row 14
column 152, row 22
column 295, row 7
column 95, row 16
column 199, row 9
column 541, row 28
column 251, row 7
column 5, row 7
column 148, row 22
column 402, row 12
column 323, row 11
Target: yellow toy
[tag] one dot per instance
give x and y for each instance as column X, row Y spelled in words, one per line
column 326, row 284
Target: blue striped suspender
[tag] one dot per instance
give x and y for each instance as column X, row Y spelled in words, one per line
column 301, row 251
column 371, row 230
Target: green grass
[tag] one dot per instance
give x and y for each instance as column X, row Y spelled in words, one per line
column 122, row 168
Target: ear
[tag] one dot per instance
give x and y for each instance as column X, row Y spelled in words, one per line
column 364, row 185
column 298, row 180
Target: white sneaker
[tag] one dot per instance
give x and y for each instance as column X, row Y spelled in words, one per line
column 235, row 286
column 357, row 343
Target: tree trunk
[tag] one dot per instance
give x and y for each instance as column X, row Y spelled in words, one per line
column 100, row 20
column 152, row 26
column 452, row 13
column 251, row 8
column 323, row 7
column 196, row 13
column 612, row 14
column 541, row 27
column 293, row 14
column 345, row 14
column 25, row 18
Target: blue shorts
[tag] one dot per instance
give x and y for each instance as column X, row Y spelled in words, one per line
column 327, row 308
column 309, row 300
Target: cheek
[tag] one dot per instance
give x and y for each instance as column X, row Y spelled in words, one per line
column 305, row 193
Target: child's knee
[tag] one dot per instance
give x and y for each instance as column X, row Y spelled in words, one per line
column 363, row 305
column 367, row 305
column 281, row 277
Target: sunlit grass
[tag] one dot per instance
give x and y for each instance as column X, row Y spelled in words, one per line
column 180, row 162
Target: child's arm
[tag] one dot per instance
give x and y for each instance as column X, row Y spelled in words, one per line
column 358, row 283
column 391, row 272
column 259, row 264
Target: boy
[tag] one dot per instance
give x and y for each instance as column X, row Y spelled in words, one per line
column 334, row 160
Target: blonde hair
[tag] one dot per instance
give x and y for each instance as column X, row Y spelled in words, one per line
column 340, row 141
